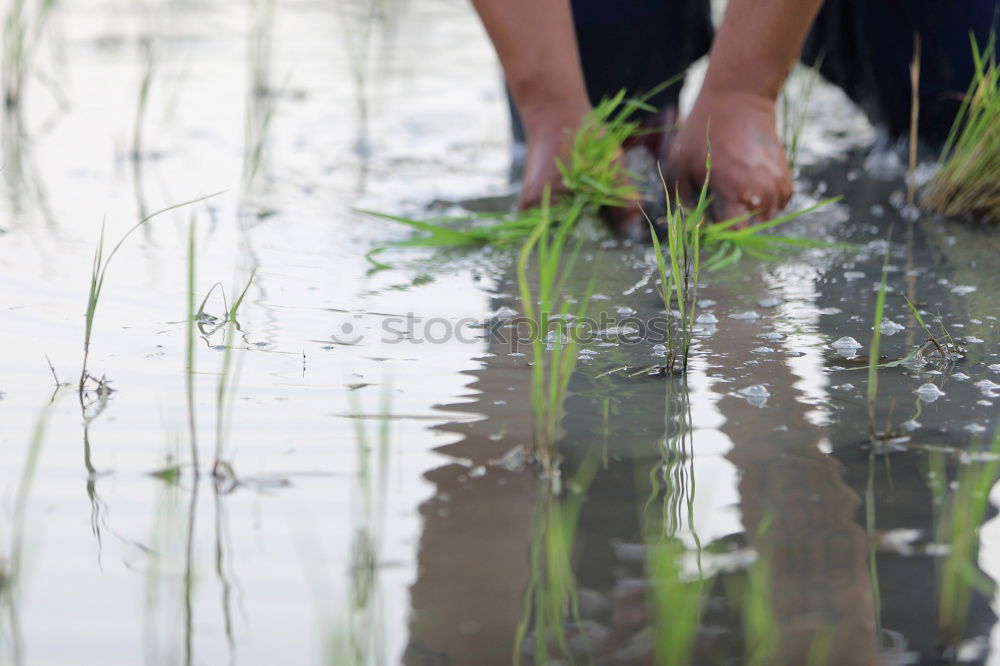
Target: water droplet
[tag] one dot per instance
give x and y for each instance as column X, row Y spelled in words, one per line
column 756, row 395
column 846, row 343
column 889, row 327
column 504, row 312
column 986, row 386
column 929, row 392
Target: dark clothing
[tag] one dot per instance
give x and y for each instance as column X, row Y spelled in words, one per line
column 866, row 47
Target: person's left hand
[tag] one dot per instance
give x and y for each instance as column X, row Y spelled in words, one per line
column 749, row 169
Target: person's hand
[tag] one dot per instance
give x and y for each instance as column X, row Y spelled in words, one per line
column 749, row 169
column 549, row 135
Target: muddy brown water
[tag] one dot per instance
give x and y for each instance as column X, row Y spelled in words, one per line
column 415, row 547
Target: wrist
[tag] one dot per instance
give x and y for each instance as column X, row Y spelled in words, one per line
column 546, row 106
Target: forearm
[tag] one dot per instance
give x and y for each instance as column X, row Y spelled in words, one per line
column 757, row 45
column 536, row 43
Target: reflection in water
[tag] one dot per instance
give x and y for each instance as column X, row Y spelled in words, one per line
column 643, row 567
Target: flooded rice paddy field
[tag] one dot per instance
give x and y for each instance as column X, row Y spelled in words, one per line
column 373, row 503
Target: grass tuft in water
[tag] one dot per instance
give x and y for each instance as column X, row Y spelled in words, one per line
column 99, row 271
column 553, row 345
column 22, row 27
column 679, row 270
column 967, row 183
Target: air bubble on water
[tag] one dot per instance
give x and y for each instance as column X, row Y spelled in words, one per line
column 972, row 340
column 962, row 290
column 706, row 303
column 994, row 368
column 625, row 311
column 706, row 318
column 929, row 392
column 986, row 386
column 618, row 331
column 889, row 327
column 600, row 297
column 763, row 350
column 960, row 376
column 772, row 302
column 845, row 387
column 504, row 312
column 749, row 315
column 829, row 311
column 975, row 428
column 846, row 343
column 756, row 395
column 773, row 336
column 910, row 426
column 477, row 471
column 853, row 275
column 659, row 350
column 984, row 403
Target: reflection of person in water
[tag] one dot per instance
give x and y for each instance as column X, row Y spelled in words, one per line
column 561, row 56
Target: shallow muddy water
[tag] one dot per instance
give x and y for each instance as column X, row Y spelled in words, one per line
column 374, row 507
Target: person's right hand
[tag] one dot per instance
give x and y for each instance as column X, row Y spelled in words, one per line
column 750, row 173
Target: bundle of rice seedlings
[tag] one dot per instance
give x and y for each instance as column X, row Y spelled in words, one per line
column 968, row 181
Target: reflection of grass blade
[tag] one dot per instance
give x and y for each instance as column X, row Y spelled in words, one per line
column 959, row 519
column 551, row 598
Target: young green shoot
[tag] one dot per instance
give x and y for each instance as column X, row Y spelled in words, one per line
column 966, row 182
column 99, row 272
column 873, row 352
column 547, row 308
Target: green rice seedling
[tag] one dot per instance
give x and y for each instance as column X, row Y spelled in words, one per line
column 225, row 384
column 22, row 30
column 189, row 349
column 679, row 270
column 966, row 182
column 148, row 58
column 594, row 176
column 261, row 100
column 793, row 126
column 99, row 271
column 551, row 599
column 547, row 310
column 960, row 510
column 873, row 351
